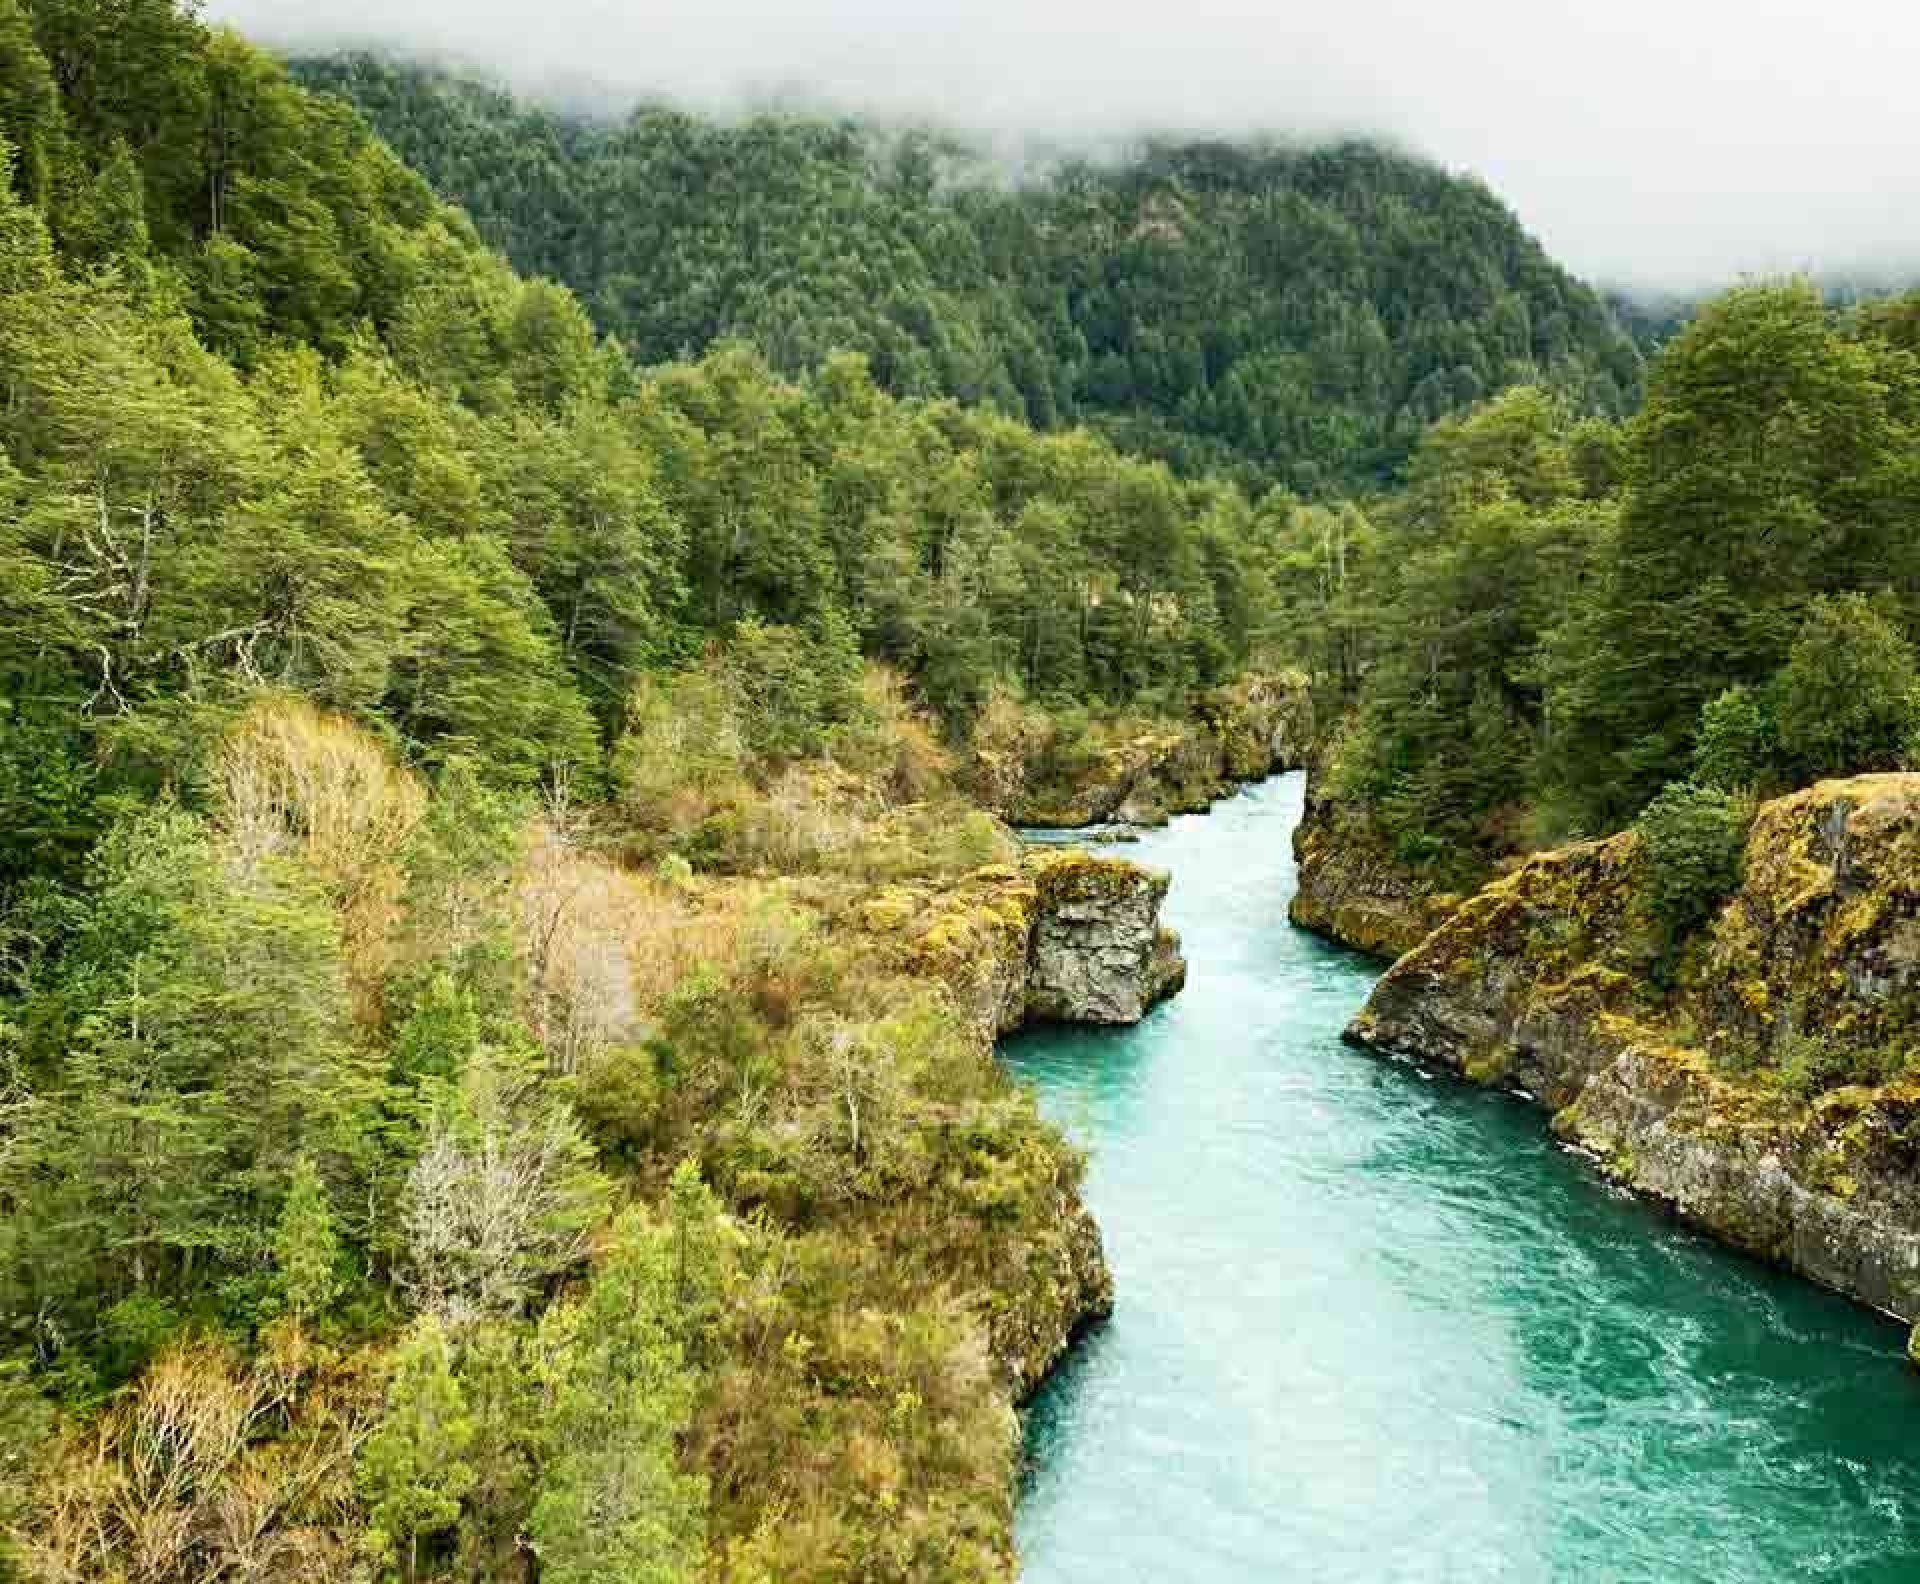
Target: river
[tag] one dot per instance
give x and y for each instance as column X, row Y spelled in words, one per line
column 1373, row 1324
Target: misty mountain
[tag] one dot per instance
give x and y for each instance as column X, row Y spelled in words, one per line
column 1288, row 314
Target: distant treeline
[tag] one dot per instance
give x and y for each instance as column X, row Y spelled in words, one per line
column 1286, row 315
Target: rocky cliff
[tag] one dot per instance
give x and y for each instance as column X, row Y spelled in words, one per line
column 1256, row 727
column 1762, row 1080
column 1062, row 937
column 1351, row 889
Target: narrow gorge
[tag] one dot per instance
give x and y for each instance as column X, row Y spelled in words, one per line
column 1368, row 1315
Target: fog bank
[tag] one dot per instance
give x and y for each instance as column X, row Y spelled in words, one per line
column 1656, row 144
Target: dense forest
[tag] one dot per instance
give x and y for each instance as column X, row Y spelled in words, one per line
column 1562, row 623
column 1284, row 315
column 453, row 1122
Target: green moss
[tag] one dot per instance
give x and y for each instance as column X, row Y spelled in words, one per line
column 1620, row 1164
column 1489, row 1066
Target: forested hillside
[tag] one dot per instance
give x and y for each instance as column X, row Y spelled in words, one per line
column 1562, row 624
column 1291, row 315
column 470, row 1104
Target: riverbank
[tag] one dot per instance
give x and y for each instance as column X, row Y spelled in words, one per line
column 1756, row 1085
column 1352, row 891
column 1140, row 773
column 1371, row 1325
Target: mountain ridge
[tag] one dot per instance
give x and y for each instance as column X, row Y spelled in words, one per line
column 1286, row 314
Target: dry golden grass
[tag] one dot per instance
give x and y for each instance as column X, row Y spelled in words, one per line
column 894, row 743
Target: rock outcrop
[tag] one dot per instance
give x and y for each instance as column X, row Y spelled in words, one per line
column 1253, row 728
column 1769, row 1095
column 1098, row 953
column 1350, row 888
column 1064, row 1290
column 1062, row 936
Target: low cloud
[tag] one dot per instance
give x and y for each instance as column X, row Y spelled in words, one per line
column 1657, row 144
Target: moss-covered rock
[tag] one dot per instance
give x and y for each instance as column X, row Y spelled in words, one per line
column 1098, row 952
column 1065, row 936
column 1763, row 1080
column 1350, row 888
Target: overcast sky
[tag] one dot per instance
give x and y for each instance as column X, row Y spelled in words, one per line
column 1654, row 143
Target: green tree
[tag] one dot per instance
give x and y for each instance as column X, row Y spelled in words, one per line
column 201, row 1021
column 1766, row 468
column 1735, row 748
column 306, row 1248
column 614, row 1506
column 789, row 686
column 413, row 1470
column 1285, row 315
column 1848, row 697
column 1694, row 842
column 108, row 225
column 30, row 116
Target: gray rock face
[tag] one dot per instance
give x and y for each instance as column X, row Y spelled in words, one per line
column 1065, row 936
column 1098, row 953
column 1534, row 983
column 1349, row 889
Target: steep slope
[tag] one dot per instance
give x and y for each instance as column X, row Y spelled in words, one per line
column 1296, row 313
column 1770, row 1096
column 455, row 1106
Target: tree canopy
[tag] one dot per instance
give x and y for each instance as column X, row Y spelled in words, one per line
column 1282, row 314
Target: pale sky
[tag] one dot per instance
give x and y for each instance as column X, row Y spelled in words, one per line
column 1653, row 143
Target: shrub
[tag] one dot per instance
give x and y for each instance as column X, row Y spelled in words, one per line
column 1848, row 698
column 1693, row 839
column 574, row 910
column 293, row 779
column 1734, row 749
column 890, row 741
column 789, row 686
column 1008, row 737
column 682, row 754
column 1811, row 1064
column 205, row 1469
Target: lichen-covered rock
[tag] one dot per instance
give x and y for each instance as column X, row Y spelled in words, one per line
column 1350, row 889
column 1064, row 936
column 1098, row 953
column 1264, row 724
column 1066, row 1289
column 974, row 936
column 1769, row 1094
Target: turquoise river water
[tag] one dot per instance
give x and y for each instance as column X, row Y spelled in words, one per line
column 1374, row 1325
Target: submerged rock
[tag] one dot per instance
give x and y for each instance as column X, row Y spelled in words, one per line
column 1767, row 1096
